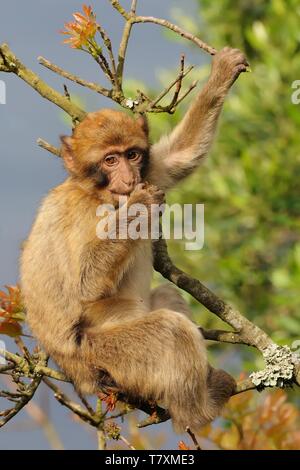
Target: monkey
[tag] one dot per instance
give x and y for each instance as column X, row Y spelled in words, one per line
column 88, row 300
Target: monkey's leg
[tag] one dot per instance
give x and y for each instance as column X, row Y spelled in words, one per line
column 160, row 356
column 167, row 296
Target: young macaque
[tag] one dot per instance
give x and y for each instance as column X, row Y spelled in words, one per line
column 88, row 299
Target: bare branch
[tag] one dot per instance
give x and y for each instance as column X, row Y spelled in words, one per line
column 193, row 437
column 29, row 369
column 108, row 46
column 23, row 400
column 102, row 62
column 86, row 403
column 244, row 386
column 25, row 392
column 63, row 399
column 101, row 438
column 74, row 78
column 50, row 148
column 120, row 9
column 177, row 82
column 223, row 336
column 176, row 29
column 67, row 93
column 10, row 63
column 123, row 50
column 123, row 439
column 184, row 95
column 249, row 333
column 133, row 6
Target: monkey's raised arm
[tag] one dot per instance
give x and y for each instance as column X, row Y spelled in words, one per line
column 175, row 156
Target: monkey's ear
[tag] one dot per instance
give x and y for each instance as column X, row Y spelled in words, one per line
column 143, row 122
column 67, row 152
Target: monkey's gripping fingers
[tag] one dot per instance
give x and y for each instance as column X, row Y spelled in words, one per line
column 227, row 65
column 147, row 194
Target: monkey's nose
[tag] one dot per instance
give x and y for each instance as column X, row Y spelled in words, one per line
column 129, row 184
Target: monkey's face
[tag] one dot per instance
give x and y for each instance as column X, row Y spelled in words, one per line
column 108, row 152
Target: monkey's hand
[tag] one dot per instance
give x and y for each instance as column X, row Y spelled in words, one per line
column 149, row 201
column 227, row 65
column 147, row 194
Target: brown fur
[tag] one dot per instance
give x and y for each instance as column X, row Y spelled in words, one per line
column 88, row 300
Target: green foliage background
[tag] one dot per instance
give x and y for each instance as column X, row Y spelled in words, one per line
column 250, row 182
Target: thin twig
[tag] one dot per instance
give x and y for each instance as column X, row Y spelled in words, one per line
column 120, row 9
column 63, row 399
column 23, row 349
column 179, row 82
column 176, row 29
column 101, row 60
column 168, row 88
column 184, row 95
column 86, row 403
column 129, row 17
column 133, row 6
column 108, row 45
column 193, row 437
column 123, row 439
column 66, row 92
column 50, row 148
column 24, row 399
column 26, row 393
column 74, row 78
column 119, row 415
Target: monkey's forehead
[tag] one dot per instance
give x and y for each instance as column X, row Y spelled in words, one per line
column 110, row 135
column 99, row 131
column 108, row 118
column 116, row 128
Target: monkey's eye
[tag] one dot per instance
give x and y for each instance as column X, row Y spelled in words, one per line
column 111, row 160
column 134, row 154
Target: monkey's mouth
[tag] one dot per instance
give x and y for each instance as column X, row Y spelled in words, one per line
column 116, row 194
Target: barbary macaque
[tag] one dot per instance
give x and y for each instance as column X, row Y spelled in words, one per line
column 88, row 299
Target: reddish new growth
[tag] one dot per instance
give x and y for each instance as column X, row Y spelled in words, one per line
column 110, row 400
column 11, row 311
column 83, row 30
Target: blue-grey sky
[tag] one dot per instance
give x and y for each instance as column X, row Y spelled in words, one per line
column 28, row 172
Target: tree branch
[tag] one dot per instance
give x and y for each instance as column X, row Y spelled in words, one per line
column 131, row 17
column 26, row 392
column 74, row 78
column 223, row 336
column 249, row 333
column 63, row 399
column 175, row 29
column 10, row 63
column 46, row 146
